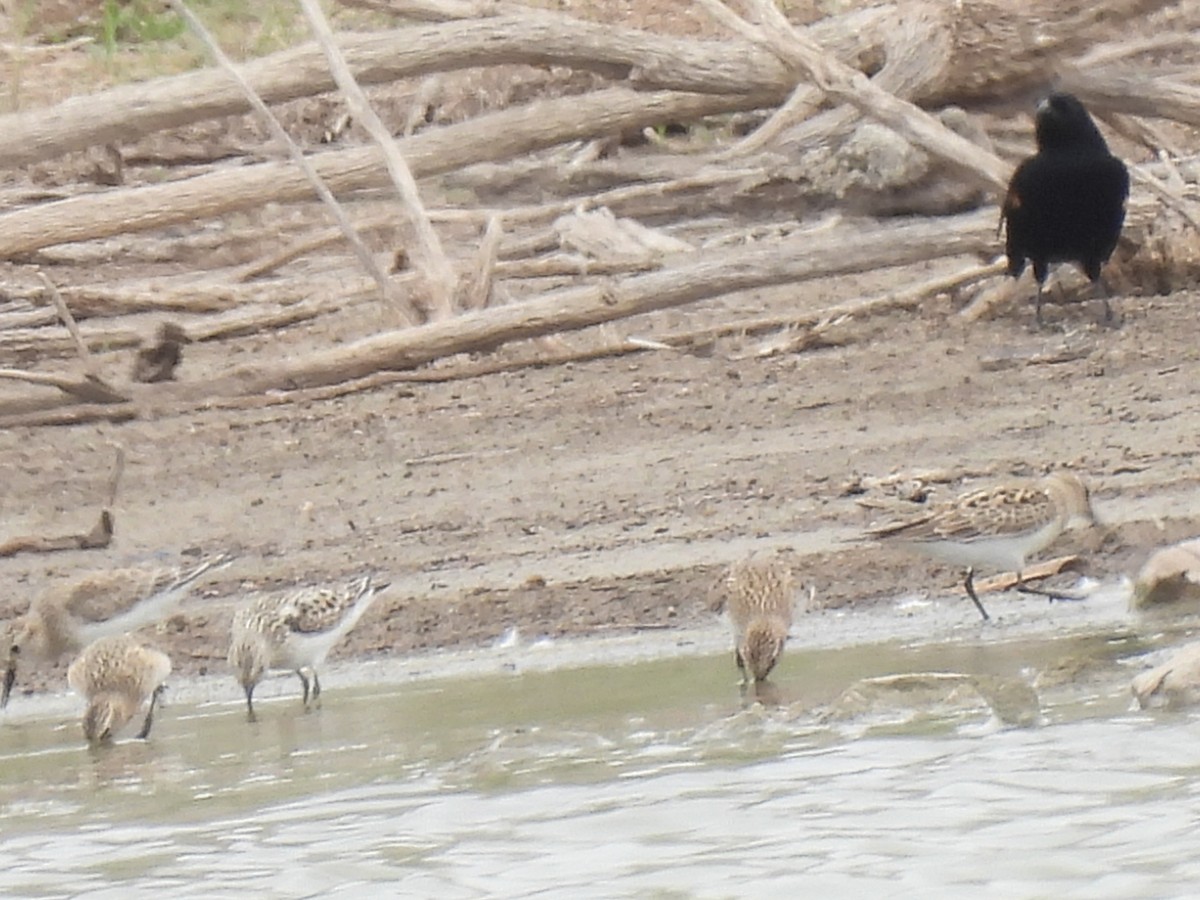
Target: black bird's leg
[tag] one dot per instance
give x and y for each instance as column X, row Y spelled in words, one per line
column 1037, row 315
column 969, row 584
column 1104, row 292
column 316, row 693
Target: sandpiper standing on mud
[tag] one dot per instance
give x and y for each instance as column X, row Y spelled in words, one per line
column 997, row 527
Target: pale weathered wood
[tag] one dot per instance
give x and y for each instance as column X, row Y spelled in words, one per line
column 654, row 60
column 1137, row 94
column 709, row 274
column 478, row 286
column 848, row 85
column 396, row 304
column 999, row 48
column 64, row 312
column 426, row 249
column 89, row 388
column 499, row 135
column 251, row 318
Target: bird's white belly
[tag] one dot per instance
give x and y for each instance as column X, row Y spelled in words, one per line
column 1006, row 553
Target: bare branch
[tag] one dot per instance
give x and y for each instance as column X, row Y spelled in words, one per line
column 405, row 315
column 428, row 256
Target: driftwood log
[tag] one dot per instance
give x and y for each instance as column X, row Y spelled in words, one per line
column 801, row 90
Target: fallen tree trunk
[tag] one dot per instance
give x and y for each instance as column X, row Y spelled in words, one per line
column 698, row 276
column 998, row 50
column 496, row 136
column 798, row 258
column 653, row 61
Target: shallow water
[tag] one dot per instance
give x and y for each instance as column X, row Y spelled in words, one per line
column 651, row 779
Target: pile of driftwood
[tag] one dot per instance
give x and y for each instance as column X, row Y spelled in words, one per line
column 877, row 109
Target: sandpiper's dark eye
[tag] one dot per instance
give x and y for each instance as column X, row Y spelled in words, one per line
column 15, row 649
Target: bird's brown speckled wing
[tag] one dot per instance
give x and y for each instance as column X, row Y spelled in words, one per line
column 757, row 587
column 990, row 512
column 320, row 610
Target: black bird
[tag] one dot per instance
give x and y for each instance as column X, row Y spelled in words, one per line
column 1066, row 203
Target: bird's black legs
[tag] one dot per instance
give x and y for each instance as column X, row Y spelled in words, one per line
column 1103, row 291
column 250, row 716
column 969, row 584
column 1049, row 595
column 145, row 732
column 312, row 687
column 304, row 683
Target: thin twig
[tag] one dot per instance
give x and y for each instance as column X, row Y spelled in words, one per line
column 479, row 291
column 88, row 389
column 114, row 477
column 64, row 313
column 307, row 244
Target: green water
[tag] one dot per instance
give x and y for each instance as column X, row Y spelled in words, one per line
column 629, row 780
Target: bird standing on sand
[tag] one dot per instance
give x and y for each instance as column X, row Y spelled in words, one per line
column 997, row 527
column 1066, row 203
column 117, row 675
column 110, row 602
column 759, row 597
column 294, row 632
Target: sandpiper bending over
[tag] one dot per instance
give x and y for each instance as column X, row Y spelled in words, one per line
column 111, row 602
column 759, row 597
column 117, row 675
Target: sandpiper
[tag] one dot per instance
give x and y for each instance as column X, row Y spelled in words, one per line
column 294, row 632
column 116, row 675
column 996, row 527
column 759, row 597
column 111, row 602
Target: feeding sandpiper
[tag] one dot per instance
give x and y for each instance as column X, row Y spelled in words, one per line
column 116, row 675
column 111, row 602
column 997, row 527
column 294, row 632
column 759, row 596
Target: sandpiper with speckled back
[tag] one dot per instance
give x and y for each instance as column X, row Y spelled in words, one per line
column 759, row 597
column 997, row 527
column 295, row 632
